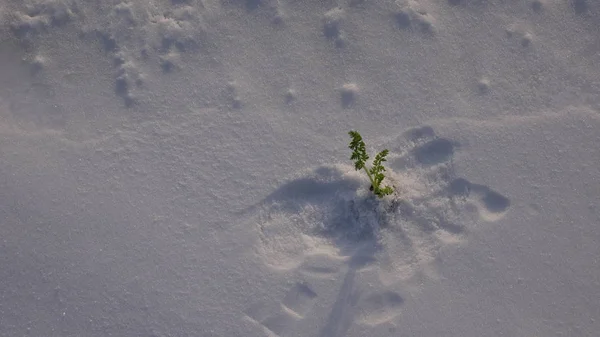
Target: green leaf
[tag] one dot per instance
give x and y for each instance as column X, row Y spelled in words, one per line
column 375, row 173
column 359, row 154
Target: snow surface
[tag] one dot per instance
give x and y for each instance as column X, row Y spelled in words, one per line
column 180, row 168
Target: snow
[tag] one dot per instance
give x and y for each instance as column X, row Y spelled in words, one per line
column 181, row 168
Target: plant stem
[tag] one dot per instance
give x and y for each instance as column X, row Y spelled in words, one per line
column 371, row 179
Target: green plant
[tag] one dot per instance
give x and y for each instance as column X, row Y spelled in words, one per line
column 375, row 173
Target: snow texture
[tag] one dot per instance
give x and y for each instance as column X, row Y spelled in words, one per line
column 181, row 168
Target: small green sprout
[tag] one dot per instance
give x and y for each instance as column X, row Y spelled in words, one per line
column 375, row 173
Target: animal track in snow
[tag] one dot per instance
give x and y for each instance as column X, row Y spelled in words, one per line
column 277, row 321
column 320, row 265
column 329, row 211
column 411, row 15
column 40, row 16
column 299, row 299
column 434, row 151
column 325, row 221
column 380, row 307
column 490, row 204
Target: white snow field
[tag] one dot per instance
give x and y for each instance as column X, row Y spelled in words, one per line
column 181, row 168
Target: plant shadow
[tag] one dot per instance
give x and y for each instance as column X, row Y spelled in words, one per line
column 336, row 206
